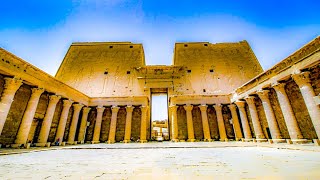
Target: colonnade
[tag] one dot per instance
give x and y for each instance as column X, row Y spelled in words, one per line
column 205, row 123
column 13, row 84
column 303, row 81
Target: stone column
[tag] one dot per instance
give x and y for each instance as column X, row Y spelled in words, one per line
column 303, row 81
column 244, row 120
column 74, row 122
column 222, row 129
column 97, row 126
column 174, row 124
column 143, row 129
column 83, row 124
column 272, row 122
column 235, row 122
column 205, row 123
column 63, row 120
column 255, row 119
column 28, row 116
column 127, row 133
column 188, row 109
column 46, row 123
column 10, row 88
column 113, row 124
column 291, row 122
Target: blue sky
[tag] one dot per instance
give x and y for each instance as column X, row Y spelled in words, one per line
column 41, row 31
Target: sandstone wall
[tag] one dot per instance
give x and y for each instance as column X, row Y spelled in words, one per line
column 121, row 124
column 136, row 124
column 197, row 123
column 213, row 124
column 103, row 69
column 226, row 114
column 182, row 123
column 214, row 68
column 92, row 119
column 105, row 125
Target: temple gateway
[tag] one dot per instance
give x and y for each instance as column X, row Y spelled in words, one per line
column 103, row 92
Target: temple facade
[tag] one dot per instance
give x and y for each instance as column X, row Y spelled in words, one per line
column 102, row 92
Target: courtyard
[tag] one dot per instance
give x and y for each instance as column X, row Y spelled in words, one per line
column 200, row 160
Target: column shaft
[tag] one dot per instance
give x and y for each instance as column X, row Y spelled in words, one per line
column 83, row 124
column 272, row 122
column 10, row 88
column 188, row 109
column 143, row 129
column 127, row 135
column 255, row 118
column 308, row 94
column 113, row 124
column 235, row 122
column 174, row 124
column 63, row 120
column 290, row 119
column 244, row 119
column 28, row 116
column 205, row 123
column 222, row 129
column 46, row 123
column 97, row 126
column 74, row 122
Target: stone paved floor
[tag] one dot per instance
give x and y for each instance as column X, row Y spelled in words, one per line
column 163, row 161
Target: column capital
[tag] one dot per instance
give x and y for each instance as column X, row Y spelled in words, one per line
column 250, row 100
column 217, row 107
column 54, row 98
column 240, row 104
column 203, row 107
column 188, row 107
column 12, row 83
column 232, row 106
column 67, row 103
column 37, row 91
column 263, row 94
column 302, row 79
column 129, row 108
column 77, row 107
column 86, row 110
column 173, row 107
column 115, row 109
column 279, row 87
column 100, row 109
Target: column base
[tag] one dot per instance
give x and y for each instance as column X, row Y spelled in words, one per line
column 299, row 141
column 316, row 142
column 27, row 145
column 110, row 141
column 174, row 140
column 191, row 140
column 80, row 142
column 126, row 141
column 63, row 144
column 247, row 140
column 182, row 140
column 143, row 141
column 47, row 144
column 72, row 143
column 207, row 140
column 238, row 139
column 262, row 140
column 279, row 140
column 95, row 142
